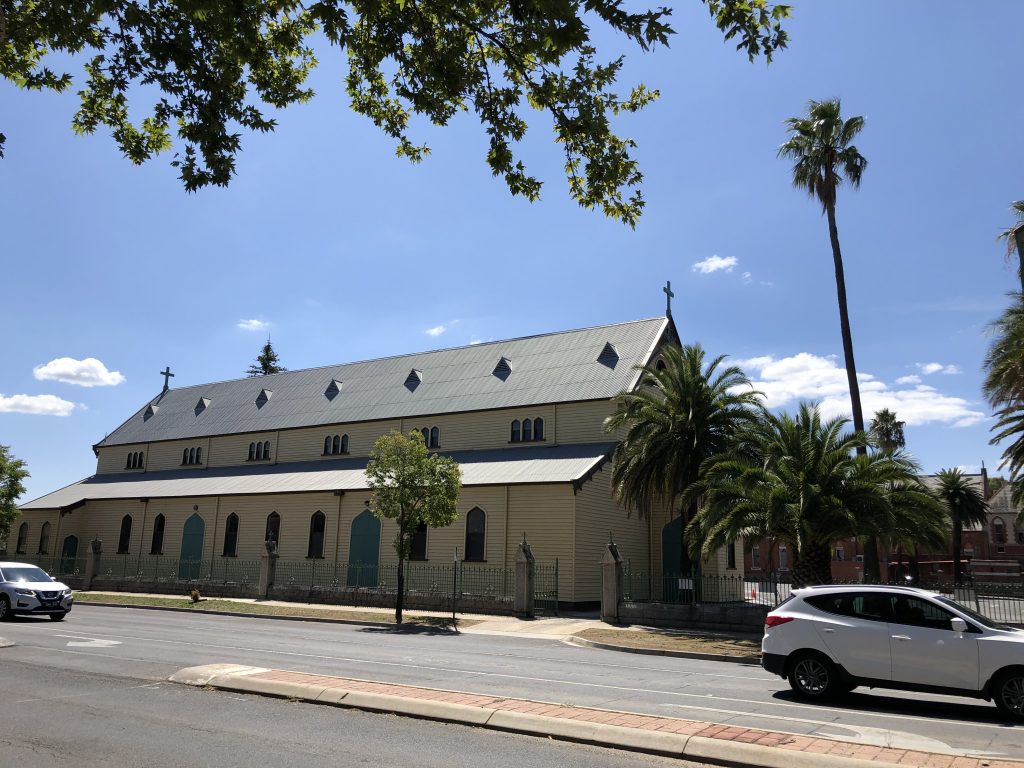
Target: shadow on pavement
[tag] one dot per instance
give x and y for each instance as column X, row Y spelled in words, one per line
column 971, row 710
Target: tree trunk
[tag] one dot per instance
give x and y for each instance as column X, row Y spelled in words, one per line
column 871, row 568
column 957, row 544
column 915, row 566
column 812, row 565
column 400, row 597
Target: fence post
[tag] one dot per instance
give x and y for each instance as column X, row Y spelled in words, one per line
column 611, row 583
column 268, row 567
column 523, row 602
column 92, row 562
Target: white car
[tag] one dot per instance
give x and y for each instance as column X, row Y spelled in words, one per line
column 28, row 589
column 828, row 640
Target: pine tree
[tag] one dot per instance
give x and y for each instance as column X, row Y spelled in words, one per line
column 267, row 362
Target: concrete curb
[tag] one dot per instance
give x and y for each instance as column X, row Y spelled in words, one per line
column 583, row 642
column 703, row 749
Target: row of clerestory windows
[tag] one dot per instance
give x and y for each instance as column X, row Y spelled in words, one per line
column 191, row 456
column 431, row 437
column 259, row 451
column 336, row 445
column 527, row 430
column 135, row 460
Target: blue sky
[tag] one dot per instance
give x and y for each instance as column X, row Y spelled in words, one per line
column 340, row 251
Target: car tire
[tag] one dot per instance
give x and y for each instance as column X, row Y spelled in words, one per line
column 813, row 677
column 57, row 616
column 1008, row 693
column 5, row 608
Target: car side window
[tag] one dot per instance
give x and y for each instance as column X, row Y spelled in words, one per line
column 839, row 604
column 920, row 613
column 871, row 606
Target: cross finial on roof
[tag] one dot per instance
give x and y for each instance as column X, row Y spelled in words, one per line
column 668, row 298
column 166, row 373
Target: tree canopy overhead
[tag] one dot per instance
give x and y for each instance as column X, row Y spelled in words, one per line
column 217, row 65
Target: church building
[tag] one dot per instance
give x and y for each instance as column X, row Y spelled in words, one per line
column 210, row 472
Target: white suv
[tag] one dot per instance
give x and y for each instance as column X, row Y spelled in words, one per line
column 28, row 589
column 828, row 640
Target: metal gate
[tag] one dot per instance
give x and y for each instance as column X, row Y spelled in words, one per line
column 545, row 589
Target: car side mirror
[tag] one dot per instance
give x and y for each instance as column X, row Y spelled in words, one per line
column 958, row 624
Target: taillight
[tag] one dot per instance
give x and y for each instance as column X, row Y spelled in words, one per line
column 774, row 621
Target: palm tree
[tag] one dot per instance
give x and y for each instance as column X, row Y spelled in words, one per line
column 887, row 432
column 1014, row 237
column 966, row 505
column 684, row 413
column 1004, row 388
column 820, row 146
column 801, row 480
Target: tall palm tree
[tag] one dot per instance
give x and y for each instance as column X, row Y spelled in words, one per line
column 966, row 505
column 685, row 412
column 800, row 479
column 1004, row 388
column 1014, row 237
column 823, row 154
column 887, row 432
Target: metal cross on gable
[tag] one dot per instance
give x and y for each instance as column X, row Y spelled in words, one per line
column 668, row 298
column 166, row 373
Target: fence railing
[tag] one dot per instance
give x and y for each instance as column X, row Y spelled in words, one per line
column 460, row 579
column 157, row 568
column 55, row 565
column 545, row 588
column 640, row 585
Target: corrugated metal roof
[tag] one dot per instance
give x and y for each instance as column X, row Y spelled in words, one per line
column 543, row 464
column 553, row 368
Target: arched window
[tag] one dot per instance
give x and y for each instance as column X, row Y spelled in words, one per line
column 199, row 455
column 336, row 444
column 514, row 438
column 730, row 555
column 317, row 525
column 231, row 536
column 259, row 451
column 252, row 451
column 327, row 446
column 266, row 450
column 125, row 537
column 527, row 430
column 157, row 547
column 344, row 443
column 418, row 550
column 273, row 528
column 660, row 365
column 476, row 527
column 191, row 455
column 44, row 539
column 184, row 456
column 999, row 531
column 435, row 437
column 538, row 429
column 426, row 436
column 141, row 460
column 22, row 538
column 128, row 461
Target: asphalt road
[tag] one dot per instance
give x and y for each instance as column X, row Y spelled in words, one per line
column 53, row 718
column 150, row 645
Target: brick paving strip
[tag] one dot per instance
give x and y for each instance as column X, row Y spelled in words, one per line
column 690, row 739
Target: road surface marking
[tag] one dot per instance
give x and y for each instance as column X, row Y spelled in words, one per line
column 79, row 641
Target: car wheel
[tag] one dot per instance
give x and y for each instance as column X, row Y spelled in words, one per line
column 1008, row 692
column 814, row 677
column 57, row 616
column 5, row 607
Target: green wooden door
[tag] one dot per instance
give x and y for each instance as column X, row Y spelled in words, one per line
column 191, row 556
column 678, row 578
column 364, row 550
column 68, row 553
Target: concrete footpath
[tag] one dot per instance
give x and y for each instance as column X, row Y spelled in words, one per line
column 672, row 737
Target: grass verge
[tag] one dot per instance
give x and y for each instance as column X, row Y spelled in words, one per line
column 300, row 611
column 667, row 640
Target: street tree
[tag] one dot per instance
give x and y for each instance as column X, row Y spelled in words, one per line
column 214, row 69
column 820, row 146
column 686, row 411
column 802, row 481
column 1014, row 237
column 966, row 506
column 12, row 473
column 887, row 431
column 1004, row 388
column 267, row 362
column 411, row 486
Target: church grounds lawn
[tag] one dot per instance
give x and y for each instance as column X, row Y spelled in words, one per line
column 299, row 611
column 670, row 640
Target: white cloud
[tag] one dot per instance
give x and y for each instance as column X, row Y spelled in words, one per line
column 804, row 376
column 911, row 379
column 85, row 373
column 929, row 368
column 41, row 405
column 747, row 278
column 252, row 325
column 715, row 264
column 437, row 330
column 474, row 342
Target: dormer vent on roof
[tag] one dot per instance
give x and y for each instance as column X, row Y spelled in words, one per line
column 414, row 379
column 263, row 397
column 609, row 355
column 202, row 405
column 503, row 369
column 333, row 389
column 150, row 412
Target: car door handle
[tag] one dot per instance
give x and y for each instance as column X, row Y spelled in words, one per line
column 903, row 638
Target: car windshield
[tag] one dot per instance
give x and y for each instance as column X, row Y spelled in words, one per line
column 985, row 621
column 25, row 573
